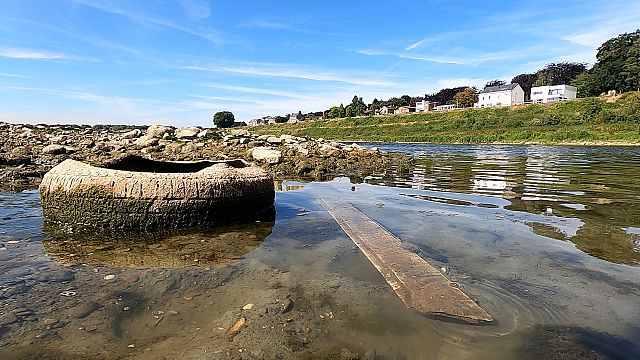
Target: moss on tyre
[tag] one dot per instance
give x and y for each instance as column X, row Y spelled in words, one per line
column 185, row 194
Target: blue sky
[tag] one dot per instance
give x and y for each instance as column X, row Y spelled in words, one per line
column 177, row 62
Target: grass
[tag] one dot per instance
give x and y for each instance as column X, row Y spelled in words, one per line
column 589, row 120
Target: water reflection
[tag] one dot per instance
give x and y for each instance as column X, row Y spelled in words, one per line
column 599, row 186
column 198, row 247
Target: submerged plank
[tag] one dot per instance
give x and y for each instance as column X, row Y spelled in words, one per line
column 420, row 285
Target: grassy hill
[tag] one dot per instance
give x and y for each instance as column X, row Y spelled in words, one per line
column 589, row 120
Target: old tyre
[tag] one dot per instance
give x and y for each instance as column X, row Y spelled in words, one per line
column 141, row 193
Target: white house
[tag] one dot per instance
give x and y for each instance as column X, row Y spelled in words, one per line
column 503, row 95
column 444, row 107
column 424, row 105
column 545, row 94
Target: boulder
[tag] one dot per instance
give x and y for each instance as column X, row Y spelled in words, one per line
column 135, row 133
column 240, row 132
column 158, row 131
column 54, row 149
column 188, row 133
column 146, row 141
column 266, row 154
column 274, row 140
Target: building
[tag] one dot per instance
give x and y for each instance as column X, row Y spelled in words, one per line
column 425, row 105
column 503, row 95
column 387, row 110
column 294, row 118
column 405, row 110
column 444, row 107
column 546, row 94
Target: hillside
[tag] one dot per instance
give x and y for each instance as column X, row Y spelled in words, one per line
column 589, row 120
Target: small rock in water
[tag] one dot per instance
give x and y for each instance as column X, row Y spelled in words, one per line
column 131, row 346
column 85, row 309
column 68, row 293
column 443, row 269
column 549, row 211
column 109, row 277
column 126, row 308
column 247, row 307
column 11, row 242
column 188, row 297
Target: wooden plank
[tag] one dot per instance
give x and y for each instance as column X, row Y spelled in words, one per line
column 419, row 284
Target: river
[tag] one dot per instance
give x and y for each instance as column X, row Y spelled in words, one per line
column 546, row 239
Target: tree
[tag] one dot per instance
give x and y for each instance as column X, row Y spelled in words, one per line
column 375, row 104
column 223, row 119
column 336, row 112
column 495, row 83
column 559, row 73
column 526, row 82
column 587, row 84
column 466, row 97
column 358, row 107
column 445, row 96
column 407, row 100
column 281, row 119
column 618, row 63
column 348, row 111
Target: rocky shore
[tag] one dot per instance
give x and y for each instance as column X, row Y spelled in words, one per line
column 27, row 152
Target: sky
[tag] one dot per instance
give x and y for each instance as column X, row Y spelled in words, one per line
column 177, row 62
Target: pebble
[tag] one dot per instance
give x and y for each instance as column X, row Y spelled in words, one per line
column 50, row 321
column 287, row 306
column 68, row 293
column 109, row 277
column 237, row 326
column 85, row 309
column 188, row 297
column 247, row 307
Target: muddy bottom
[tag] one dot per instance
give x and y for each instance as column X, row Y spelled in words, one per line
column 298, row 287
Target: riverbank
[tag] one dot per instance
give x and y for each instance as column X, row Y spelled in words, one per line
column 27, row 152
column 589, row 121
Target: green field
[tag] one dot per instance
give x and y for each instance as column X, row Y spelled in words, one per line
column 589, row 120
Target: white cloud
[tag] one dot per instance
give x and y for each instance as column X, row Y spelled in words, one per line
column 291, row 71
column 35, row 54
column 151, row 21
column 196, row 10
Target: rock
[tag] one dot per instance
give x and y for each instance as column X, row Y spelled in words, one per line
column 203, row 133
column 22, row 312
column 8, row 319
column 54, row 149
column 109, row 277
column 287, row 306
column 49, row 322
column 370, row 355
column 247, row 307
column 274, row 140
column 237, row 326
column 266, row 154
column 240, row 132
column 188, row 133
column 135, row 133
column 158, row 131
column 84, row 310
column 346, row 354
column 146, row 141
column 328, row 150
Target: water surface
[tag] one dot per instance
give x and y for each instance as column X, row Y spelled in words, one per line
column 544, row 238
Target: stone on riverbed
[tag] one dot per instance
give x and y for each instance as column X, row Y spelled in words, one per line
column 266, row 154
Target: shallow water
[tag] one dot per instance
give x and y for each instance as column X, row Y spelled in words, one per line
column 560, row 283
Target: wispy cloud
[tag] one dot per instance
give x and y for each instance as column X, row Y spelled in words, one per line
column 151, row 21
column 434, row 59
column 36, row 55
column 291, row 71
column 196, row 10
column 415, row 44
column 265, row 24
column 260, row 91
